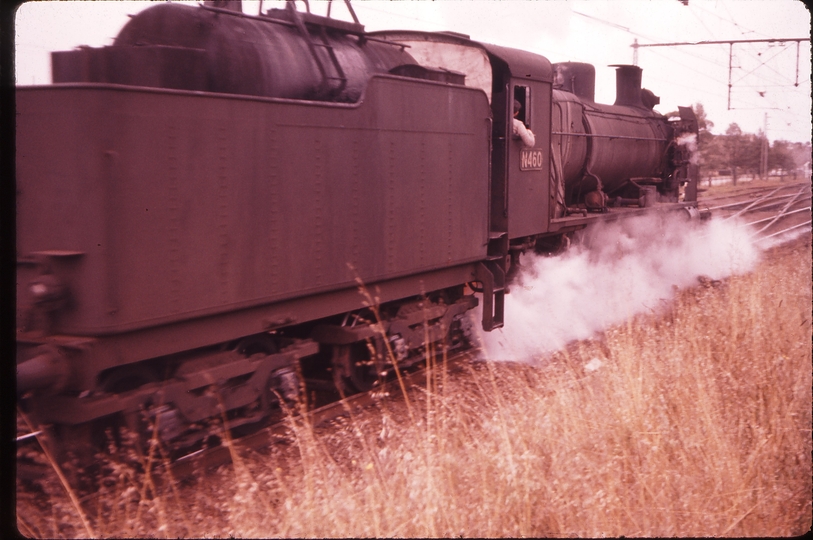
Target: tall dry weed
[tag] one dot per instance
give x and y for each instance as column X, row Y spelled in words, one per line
column 692, row 422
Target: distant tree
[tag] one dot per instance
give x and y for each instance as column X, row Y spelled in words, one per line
column 710, row 155
column 750, row 157
column 704, row 125
column 741, row 153
column 789, row 157
column 801, row 153
column 733, row 149
column 781, row 157
column 714, row 155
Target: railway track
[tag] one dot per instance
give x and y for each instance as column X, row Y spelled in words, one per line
column 209, row 458
column 744, row 191
column 347, row 405
column 769, row 211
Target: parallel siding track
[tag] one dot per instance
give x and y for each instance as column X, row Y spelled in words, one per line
column 769, row 211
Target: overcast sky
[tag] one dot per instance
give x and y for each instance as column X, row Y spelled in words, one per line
column 601, row 32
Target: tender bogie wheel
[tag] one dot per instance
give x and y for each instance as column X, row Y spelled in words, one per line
column 76, row 453
column 281, row 392
column 128, row 428
column 264, row 344
column 356, row 368
column 259, row 344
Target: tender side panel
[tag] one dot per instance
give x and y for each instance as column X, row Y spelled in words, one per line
column 192, row 205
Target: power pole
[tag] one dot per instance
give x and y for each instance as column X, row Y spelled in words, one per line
column 764, row 161
column 730, row 56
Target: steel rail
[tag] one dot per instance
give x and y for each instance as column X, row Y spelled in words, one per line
column 29, row 436
column 775, row 205
column 756, row 201
column 807, row 208
column 741, row 203
column 781, row 212
column 748, row 190
column 786, row 230
column 783, row 206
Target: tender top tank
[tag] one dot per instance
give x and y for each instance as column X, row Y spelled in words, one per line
column 283, row 54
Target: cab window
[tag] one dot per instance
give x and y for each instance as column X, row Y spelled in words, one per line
column 523, row 95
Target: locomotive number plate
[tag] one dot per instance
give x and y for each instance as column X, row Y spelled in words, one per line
column 530, row 159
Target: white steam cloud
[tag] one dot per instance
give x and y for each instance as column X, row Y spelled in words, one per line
column 620, row 269
column 689, row 140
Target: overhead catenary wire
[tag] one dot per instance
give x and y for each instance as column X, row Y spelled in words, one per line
column 633, row 32
column 754, row 76
column 731, row 43
column 721, row 42
column 729, row 20
column 747, row 55
column 637, row 34
column 763, row 64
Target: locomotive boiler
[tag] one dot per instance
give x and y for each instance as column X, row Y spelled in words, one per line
column 620, row 153
column 220, row 210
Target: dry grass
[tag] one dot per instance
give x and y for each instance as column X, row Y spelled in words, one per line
column 694, row 422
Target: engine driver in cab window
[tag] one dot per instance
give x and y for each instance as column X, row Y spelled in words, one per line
column 520, row 127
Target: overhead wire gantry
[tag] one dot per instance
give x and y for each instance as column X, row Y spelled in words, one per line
column 635, row 46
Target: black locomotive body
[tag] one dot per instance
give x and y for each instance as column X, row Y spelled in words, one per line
column 199, row 203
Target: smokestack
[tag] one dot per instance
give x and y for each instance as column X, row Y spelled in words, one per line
column 628, row 85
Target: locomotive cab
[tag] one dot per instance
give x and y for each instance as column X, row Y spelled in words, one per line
column 519, row 170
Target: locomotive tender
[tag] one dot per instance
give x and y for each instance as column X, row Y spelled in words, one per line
column 199, row 202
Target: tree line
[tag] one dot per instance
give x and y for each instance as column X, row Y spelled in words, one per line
column 735, row 153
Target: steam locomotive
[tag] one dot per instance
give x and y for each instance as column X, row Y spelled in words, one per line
column 219, row 207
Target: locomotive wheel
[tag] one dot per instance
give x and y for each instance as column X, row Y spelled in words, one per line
column 126, row 434
column 74, row 448
column 263, row 344
column 124, row 380
column 355, row 368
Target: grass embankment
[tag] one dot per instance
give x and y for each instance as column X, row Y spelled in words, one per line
column 692, row 422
